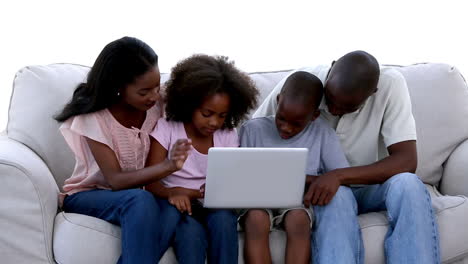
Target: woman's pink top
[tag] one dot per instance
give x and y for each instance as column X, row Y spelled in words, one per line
column 130, row 145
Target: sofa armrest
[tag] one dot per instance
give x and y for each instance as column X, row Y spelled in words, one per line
column 455, row 176
column 28, row 205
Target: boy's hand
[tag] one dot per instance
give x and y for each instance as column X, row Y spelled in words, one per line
column 322, row 189
column 179, row 197
column 179, row 153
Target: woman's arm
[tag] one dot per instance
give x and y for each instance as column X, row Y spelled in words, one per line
column 118, row 179
column 158, row 155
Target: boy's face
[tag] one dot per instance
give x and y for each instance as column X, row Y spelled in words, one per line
column 292, row 117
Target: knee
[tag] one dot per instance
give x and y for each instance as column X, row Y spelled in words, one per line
column 225, row 220
column 297, row 223
column 257, row 223
column 343, row 200
column 140, row 200
column 342, row 206
column 168, row 209
column 223, row 216
column 190, row 234
column 405, row 184
column 170, row 216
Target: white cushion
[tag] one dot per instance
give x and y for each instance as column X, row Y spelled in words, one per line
column 439, row 96
column 84, row 239
column 455, row 177
column 39, row 93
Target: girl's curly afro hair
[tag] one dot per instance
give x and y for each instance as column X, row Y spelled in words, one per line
column 195, row 78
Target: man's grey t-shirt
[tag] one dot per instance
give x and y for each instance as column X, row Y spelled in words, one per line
column 325, row 152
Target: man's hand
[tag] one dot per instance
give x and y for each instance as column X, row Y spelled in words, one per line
column 179, row 153
column 322, row 189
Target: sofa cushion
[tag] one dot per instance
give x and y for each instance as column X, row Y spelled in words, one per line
column 455, row 177
column 85, row 239
column 451, row 212
column 40, row 92
column 439, row 96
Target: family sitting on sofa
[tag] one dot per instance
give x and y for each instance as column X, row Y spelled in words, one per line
column 141, row 159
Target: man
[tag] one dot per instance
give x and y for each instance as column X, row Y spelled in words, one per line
column 370, row 110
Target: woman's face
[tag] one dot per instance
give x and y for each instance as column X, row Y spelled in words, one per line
column 143, row 93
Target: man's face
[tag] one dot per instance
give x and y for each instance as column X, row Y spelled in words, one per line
column 339, row 102
column 291, row 118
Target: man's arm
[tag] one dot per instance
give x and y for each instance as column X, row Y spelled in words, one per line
column 402, row 158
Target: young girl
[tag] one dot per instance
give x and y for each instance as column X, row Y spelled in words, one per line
column 207, row 97
column 107, row 125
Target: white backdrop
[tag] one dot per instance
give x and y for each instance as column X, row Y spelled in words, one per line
column 258, row 35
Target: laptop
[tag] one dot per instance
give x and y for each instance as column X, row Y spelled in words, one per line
column 255, row 177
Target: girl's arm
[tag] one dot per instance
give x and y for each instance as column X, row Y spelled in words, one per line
column 119, row 180
column 158, row 155
column 158, row 189
column 177, row 196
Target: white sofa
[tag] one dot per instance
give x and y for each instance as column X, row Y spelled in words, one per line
column 34, row 161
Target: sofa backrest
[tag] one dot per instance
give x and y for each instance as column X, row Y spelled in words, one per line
column 439, row 97
column 39, row 93
column 438, row 92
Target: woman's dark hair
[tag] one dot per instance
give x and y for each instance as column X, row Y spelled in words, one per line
column 194, row 79
column 118, row 64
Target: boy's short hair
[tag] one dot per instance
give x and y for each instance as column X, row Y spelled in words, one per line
column 303, row 88
column 195, row 78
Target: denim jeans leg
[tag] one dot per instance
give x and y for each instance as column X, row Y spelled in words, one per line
column 135, row 211
column 412, row 236
column 223, row 244
column 190, row 242
column 336, row 235
column 170, row 218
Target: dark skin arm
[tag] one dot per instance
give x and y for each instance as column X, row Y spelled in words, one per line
column 309, row 179
column 118, row 179
column 403, row 158
column 177, row 196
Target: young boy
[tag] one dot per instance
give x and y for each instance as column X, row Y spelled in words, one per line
column 296, row 124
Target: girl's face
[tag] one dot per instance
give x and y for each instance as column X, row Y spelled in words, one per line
column 210, row 116
column 143, row 93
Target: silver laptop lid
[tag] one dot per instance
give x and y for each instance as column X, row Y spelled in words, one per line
column 255, row 177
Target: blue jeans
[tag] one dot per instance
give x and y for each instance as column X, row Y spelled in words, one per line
column 412, row 236
column 206, row 231
column 146, row 228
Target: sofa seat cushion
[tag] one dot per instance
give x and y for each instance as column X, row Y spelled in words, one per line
column 451, row 212
column 84, row 239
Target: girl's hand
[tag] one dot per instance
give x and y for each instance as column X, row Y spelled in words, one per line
column 202, row 190
column 179, row 153
column 179, row 197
